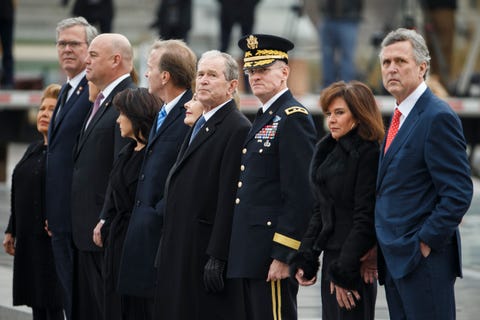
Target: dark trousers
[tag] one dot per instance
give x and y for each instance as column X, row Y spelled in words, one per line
column 427, row 293
column 137, row 308
column 47, row 314
column 364, row 308
column 271, row 300
column 63, row 254
column 6, row 38
column 89, row 291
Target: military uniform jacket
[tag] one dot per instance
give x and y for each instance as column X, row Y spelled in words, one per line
column 273, row 203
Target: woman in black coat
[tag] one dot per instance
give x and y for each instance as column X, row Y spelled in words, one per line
column 343, row 175
column 137, row 110
column 35, row 282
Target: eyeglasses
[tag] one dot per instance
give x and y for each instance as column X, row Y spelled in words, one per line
column 260, row 71
column 71, row 44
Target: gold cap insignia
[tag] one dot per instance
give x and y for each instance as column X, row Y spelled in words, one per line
column 252, row 42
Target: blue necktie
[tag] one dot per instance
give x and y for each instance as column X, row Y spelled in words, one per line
column 197, row 127
column 161, row 117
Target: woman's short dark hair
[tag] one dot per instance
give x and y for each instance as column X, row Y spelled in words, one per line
column 361, row 102
column 140, row 107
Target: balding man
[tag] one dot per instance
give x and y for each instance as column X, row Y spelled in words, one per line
column 109, row 62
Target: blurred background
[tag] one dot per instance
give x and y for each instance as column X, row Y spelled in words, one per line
column 35, row 21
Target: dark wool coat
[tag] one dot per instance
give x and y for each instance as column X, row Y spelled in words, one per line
column 116, row 211
column 200, row 193
column 35, row 282
column 137, row 266
column 343, row 175
column 97, row 148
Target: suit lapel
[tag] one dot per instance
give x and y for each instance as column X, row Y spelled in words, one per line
column 84, row 133
column 404, row 133
column 177, row 111
column 207, row 131
column 70, row 102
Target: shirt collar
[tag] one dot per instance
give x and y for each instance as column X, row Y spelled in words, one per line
column 169, row 106
column 209, row 114
column 75, row 81
column 272, row 100
column 108, row 89
column 407, row 105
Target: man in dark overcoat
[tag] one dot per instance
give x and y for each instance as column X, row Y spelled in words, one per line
column 200, row 194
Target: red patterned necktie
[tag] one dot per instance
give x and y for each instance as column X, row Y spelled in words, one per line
column 392, row 131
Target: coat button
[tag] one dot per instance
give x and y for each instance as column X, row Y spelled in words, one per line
column 244, row 150
column 138, row 203
column 237, row 201
column 142, row 176
column 242, row 168
column 260, row 151
column 269, row 223
column 240, row 184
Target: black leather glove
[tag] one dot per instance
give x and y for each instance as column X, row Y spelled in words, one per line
column 213, row 275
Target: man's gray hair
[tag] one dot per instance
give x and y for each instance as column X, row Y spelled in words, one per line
column 231, row 65
column 420, row 49
column 90, row 31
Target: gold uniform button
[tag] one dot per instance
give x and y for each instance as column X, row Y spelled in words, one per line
column 237, row 201
column 244, row 150
column 242, row 167
column 269, row 223
column 240, row 184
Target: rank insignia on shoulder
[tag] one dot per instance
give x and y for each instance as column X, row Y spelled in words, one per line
column 295, row 109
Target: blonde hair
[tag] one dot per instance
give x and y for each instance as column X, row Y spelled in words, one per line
column 51, row 91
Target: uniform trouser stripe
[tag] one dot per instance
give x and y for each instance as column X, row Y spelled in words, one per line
column 276, row 299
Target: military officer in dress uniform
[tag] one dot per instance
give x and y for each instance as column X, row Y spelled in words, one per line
column 273, row 202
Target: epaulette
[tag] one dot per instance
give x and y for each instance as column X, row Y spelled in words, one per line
column 295, row 109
